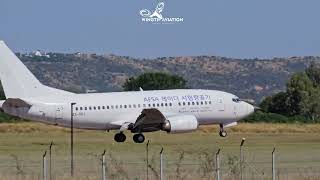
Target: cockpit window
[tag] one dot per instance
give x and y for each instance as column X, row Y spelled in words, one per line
column 236, row 100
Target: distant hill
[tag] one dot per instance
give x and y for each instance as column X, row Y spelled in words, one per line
column 247, row 78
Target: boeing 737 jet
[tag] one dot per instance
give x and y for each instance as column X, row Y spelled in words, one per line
column 173, row 111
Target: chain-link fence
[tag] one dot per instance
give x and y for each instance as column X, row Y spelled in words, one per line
column 210, row 164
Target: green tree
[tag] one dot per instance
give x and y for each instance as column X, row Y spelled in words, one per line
column 277, row 103
column 299, row 89
column 313, row 72
column 154, row 81
column 302, row 96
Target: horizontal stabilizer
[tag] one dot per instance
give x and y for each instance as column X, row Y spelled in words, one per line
column 16, row 102
column 1, row 103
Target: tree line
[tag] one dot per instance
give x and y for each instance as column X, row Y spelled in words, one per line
column 299, row 102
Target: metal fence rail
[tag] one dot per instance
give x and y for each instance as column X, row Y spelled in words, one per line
column 215, row 164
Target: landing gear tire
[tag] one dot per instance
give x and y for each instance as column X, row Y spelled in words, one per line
column 120, row 137
column 223, row 133
column 138, row 138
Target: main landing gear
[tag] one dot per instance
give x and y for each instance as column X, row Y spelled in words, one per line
column 120, row 137
column 222, row 132
column 137, row 138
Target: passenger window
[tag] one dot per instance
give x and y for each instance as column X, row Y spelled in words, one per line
column 80, row 108
column 161, row 104
column 179, row 104
column 188, row 103
column 201, row 103
column 158, row 105
column 112, row 107
column 184, row 103
column 166, row 104
column 98, row 107
column 149, row 105
column 125, row 106
column 170, row 104
column 154, row 105
column 90, row 108
column 85, row 108
column 116, row 106
column 107, row 107
column 134, row 106
column 209, row 102
column 138, row 105
column 197, row 103
column 120, row 106
column 192, row 103
column 205, row 102
column 144, row 105
column 94, row 108
column 76, row 108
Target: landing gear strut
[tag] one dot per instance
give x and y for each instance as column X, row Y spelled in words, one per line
column 138, row 138
column 120, row 137
column 222, row 132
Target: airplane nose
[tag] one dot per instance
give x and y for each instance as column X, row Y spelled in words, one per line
column 250, row 109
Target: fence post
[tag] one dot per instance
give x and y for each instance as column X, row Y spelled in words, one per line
column 218, row 164
column 241, row 158
column 273, row 165
column 44, row 165
column 147, row 158
column 104, row 165
column 50, row 165
column 161, row 164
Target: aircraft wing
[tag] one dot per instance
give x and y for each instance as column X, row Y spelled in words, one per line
column 149, row 120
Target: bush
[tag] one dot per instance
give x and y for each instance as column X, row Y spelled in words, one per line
column 5, row 118
column 275, row 118
column 155, row 81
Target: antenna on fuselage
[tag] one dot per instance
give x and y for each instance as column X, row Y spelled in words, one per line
column 140, row 88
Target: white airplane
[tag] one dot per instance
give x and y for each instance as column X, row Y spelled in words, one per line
column 173, row 111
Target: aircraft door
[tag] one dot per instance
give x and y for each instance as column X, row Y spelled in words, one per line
column 58, row 114
column 235, row 110
column 220, row 105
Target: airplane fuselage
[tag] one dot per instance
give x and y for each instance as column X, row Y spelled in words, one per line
column 107, row 111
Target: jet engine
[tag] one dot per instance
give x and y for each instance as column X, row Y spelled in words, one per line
column 180, row 124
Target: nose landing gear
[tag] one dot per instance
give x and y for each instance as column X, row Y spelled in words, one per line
column 222, row 132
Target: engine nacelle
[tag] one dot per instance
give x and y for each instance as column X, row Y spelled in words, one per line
column 180, row 124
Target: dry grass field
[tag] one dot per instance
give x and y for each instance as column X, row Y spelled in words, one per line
column 186, row 156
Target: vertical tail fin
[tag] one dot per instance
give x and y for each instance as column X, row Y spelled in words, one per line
column 17, row 80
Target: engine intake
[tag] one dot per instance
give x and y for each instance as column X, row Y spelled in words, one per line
column 180, row 124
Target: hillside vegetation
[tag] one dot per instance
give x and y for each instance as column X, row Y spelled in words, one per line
column 247, row 78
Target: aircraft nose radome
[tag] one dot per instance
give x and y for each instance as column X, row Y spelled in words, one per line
column 250, row 109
